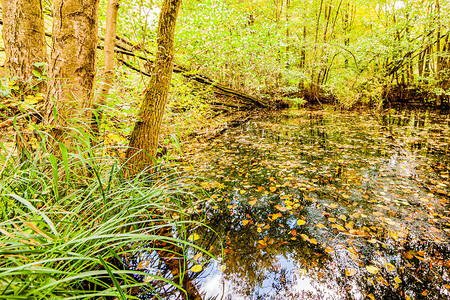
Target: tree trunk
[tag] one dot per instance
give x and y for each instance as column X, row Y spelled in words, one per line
column 24, row 40
column 72, row 62
column 108, row 72
column 144, row 139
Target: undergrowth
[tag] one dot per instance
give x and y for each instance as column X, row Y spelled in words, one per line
column 70, row 222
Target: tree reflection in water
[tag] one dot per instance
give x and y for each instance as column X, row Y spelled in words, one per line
column 373, row 192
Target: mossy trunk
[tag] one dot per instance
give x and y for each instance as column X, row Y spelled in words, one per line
column 144, row 139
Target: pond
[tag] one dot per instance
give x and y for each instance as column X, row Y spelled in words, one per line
column 328, row 205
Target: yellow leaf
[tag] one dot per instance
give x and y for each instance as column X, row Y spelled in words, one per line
column 339, row 227
column 272, row 189
column 242, row 192
column 198, row 255
column 373, row 241
column 280, row 208
column 334, row 205
column 397, row 280
column 394, row 235
column 253, row 202
column 372, row 269
column 300, row 222
column 350, row 272
column 262, row 243
column 343, row 218
column 193, row 237
column 332, row 220
column 302, row 271
column 304, row 237
column 197, row 268
column 349, row 225
column 329, row 250
column 260, row 189
column 390, row 267
column 276, row 216
column 320, row 225
column 313, row 241
column 259, row 229
column 245, row 222
column 371, row 296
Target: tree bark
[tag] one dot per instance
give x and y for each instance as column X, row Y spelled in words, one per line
column 108, row 72
column 24, row 40
column 144, row 139
column 72, row 62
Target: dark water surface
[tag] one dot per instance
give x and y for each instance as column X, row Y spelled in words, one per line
column 329, row 205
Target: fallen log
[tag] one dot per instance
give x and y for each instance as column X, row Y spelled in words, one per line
column 219, row 88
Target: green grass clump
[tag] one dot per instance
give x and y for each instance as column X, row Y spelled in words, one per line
column 69, row 223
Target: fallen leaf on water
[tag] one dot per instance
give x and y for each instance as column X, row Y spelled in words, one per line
column 371, row 296
column 394, row 235
column 302, row 271
column 424, row 293
column 390, row 267
column 313, row 241
column 272, row 189
column 262, row 243
column 276, row 216
column 259, row 229
column 339, row 227
column 196, row 268
column 350, row 272
column 193, row 237
column 242, row 192
column 198, row 255
column 421, row 253
column 304, row 237
column 343, row 218
column 253, row 202
column 320, row 225
column 397, row 279
column 300, row 222
column 408, row 255
column 245, row 222
column 329, row 250
column 280, row 208
column 372, row 269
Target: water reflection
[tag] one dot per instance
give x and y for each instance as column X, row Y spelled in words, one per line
column 328, row 205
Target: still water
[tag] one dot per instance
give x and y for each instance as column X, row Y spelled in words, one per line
column 327, row 205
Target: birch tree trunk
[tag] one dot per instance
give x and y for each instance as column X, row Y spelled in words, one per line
column 108, row 71
column 144, row 139
column 72, row 62
column 24, row 39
